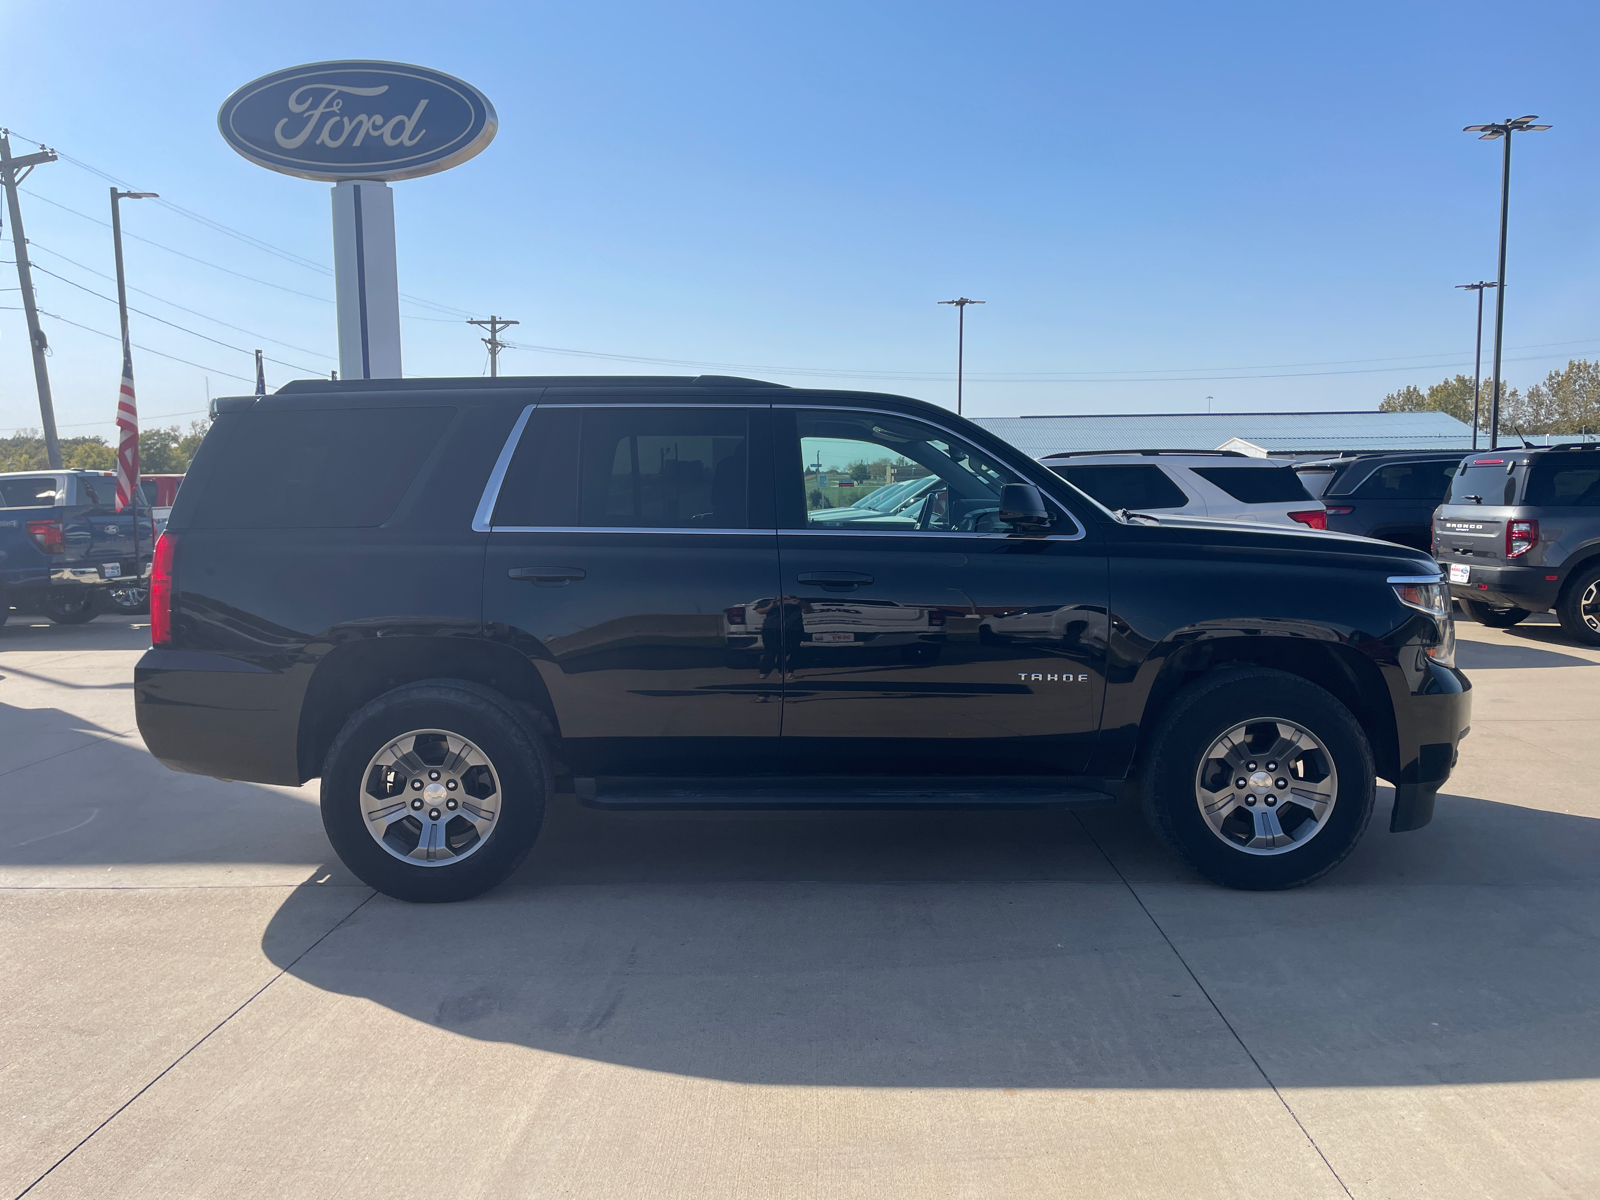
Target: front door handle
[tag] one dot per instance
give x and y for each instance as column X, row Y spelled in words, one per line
column 547, row 576
column 835, row 581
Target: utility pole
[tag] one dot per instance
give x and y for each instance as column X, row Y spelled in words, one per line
column 961, row 340
column 1488, row 133
column 13, row 171
column 1477, row 361
column 494, row 325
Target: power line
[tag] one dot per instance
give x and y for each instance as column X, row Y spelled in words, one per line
column 146, row 349
column 181, row 308
column 174, row 324
column 192, row 412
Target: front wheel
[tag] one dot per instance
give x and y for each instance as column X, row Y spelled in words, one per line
column 1579, row 609
column 70, row 606
column 1259, row 779
column 1495, row 616
column 435, row 791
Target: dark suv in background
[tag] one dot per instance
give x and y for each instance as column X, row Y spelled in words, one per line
column 448, row 598
column 1520, row 534
column 1388, row 495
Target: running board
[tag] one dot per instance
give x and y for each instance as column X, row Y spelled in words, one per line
column 833, row 792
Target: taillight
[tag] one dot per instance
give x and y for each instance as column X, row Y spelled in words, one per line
column 47, row 536
column 1521, row 536
column 161, row 591
column 936, row 616
column 1313, row 518
column 735, row 614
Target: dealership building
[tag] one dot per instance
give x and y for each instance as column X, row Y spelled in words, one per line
column 1260, row 434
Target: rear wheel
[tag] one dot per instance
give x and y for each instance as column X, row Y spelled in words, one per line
column 1579, row 609
column 1496, row 616
column 70, row 606
column 1260, row 779
column 129, row 600
column 435, row 791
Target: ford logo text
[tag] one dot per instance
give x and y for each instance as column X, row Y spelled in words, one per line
column 357, row 120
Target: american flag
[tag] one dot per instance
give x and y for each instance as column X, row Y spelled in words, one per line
column 128, row 437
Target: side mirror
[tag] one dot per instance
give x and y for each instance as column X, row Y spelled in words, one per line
column 1022, row 507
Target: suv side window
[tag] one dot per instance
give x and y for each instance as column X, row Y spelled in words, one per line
column 1409, row 481
column 629, row 468
column 1561, row 482
column 1134, row 486
column 875, row 473
column 1257, row 485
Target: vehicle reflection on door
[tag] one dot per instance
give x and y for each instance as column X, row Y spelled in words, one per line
column 794, row 632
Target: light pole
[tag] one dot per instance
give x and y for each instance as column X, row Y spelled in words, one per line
column 127, row 410
column 1477, row 358
column 961, row 340
column 1487, row 133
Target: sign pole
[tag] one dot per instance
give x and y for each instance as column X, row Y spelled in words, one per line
column 366, row 280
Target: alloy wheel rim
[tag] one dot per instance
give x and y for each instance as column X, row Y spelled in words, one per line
column 1266, row 786
column 430, row 798
column 1589, row 606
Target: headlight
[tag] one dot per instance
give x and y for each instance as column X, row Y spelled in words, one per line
column 1429, row 594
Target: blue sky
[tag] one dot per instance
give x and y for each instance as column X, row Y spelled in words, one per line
column 1263, row 204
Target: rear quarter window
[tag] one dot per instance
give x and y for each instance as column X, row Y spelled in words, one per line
column 1409, row 481
column 27, row 493
column 1561, row 482
column 1257, row 485
column 323, row 468
column 1133, row 486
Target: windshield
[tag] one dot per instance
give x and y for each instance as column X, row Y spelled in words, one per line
column 1485, row 481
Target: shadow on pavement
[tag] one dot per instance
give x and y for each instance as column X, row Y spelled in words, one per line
column 693, row 945
column 1490, row 656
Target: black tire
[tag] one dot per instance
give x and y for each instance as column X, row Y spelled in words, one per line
column 71, row 606
column 492, row 723
column 1494, row 616
column 1213, row 706
column 1579, row 608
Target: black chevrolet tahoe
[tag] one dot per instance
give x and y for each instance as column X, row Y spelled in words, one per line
column 1520, row 534
column 450, row 598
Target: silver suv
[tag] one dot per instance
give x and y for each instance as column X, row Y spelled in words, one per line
column 1520, row 533
column 1222, row 484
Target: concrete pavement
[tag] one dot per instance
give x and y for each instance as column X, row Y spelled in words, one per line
column 198, row 1001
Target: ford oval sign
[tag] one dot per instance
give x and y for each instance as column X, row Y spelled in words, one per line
column 357, row 120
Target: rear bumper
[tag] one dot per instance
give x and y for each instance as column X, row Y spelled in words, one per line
column 1430, row 723
column 209, row 714
column 1518, row 587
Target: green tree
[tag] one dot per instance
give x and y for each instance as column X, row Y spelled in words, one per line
column 88, row 454
column 25, row 451
column 1564, row 402
column 1453, row 396
column 169, row 451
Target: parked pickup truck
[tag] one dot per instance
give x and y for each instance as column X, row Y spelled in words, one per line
column 520, row 585
column 63, row 543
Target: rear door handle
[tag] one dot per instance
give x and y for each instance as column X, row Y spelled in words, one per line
column 835, row 580
column 547, row 576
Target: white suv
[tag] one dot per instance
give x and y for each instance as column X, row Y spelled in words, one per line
column 1222, row 484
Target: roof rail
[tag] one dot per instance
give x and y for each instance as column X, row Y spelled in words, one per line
column 1146, row 453
column 731, row 381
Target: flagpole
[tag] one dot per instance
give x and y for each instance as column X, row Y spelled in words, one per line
column 127, row 408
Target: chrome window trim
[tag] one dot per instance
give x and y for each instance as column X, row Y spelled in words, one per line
column 767, row 532
column 1082, row 531
column 491, row 490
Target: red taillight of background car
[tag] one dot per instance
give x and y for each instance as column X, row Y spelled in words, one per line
column 1521, row 536
column 1312, row 518
column 161, row 591
column 735, row 614
column 47, row 536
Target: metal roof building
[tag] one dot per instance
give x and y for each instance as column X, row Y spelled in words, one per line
column 1260, row 434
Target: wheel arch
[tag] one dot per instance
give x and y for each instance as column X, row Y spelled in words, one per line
column 356, row 673
column 1588, row 558
column 1351, row 677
